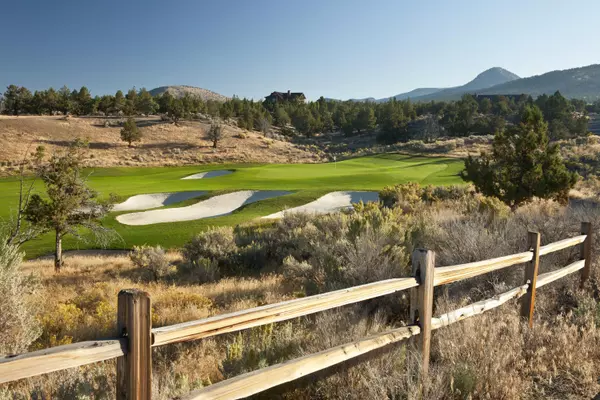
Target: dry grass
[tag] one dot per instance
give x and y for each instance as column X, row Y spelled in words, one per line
column 492, row 356
column 162, row 144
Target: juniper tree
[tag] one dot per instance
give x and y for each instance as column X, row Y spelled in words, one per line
column 69, row 203
column 523, row 164
column 130, row 132
column 215, row 134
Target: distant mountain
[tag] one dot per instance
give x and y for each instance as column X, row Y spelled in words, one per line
column 363, row 100
column 487, row 79
column 580, row 83
column 180, row 91
column 413, row 93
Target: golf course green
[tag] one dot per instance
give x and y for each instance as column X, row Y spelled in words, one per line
column 307, row 182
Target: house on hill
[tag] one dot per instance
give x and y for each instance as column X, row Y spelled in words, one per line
column 278, row 97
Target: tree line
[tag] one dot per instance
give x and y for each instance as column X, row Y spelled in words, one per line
column 392, row 121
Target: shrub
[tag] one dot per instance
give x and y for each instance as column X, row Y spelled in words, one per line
column 18, row 325
column 209, row 254
column 151, row 259
column 405, row 195
column 216, row 243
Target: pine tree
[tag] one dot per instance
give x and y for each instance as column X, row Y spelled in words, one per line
column 522, row 165
column 130, row 132
column 69, row 204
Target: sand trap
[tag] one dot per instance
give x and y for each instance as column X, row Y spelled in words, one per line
column 208, row 174
column 331, row 202
column 213, row 207
column 155, row 200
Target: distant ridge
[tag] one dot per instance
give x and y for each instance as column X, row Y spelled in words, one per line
column 181, row 90
column 575, row 83
column 579, row 83
column 486, row 79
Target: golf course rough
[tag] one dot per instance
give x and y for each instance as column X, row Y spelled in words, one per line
column 305, row 182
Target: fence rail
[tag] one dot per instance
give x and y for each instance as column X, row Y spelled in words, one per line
column 133, row 348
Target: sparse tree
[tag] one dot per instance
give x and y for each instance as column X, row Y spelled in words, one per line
column 69, row 203
column 130, row 132
column 215, row 134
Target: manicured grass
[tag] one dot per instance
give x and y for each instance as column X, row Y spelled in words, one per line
column 307, row 181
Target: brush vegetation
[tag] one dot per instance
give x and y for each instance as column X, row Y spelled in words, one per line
column 492, row 356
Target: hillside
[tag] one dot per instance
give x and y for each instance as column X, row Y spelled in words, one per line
column 489, row 78
column 163, row 143
column 413, row 94
column 182, row 90
column 580, row 83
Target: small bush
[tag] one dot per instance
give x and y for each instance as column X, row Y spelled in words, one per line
column 405, row 195
column 207, row 255
column 18, row 325
column 151, row 259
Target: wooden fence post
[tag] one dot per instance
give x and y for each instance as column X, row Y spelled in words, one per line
column 586, row 252
column 421, row 306
column 134, row 370
column 531, row 273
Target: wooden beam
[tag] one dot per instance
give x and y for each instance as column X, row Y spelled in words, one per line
column 58, row 358
column 423, row 264
column 548, row 277
column 561, row 244
column 445, row 275
column 586, row 252
column 277, row 312
column 478, row 308
column 258, row 381
column 134, row 370
column 531, row 273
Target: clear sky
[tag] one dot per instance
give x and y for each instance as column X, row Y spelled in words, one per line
column 335, row 48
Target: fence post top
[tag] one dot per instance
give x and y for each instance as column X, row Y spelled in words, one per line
column 136, row 293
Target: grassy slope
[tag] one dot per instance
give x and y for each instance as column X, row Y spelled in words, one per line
column 308, row 181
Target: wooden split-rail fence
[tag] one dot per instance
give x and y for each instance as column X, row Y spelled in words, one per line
column 133, row 349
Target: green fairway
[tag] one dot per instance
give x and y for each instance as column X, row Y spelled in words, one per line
column 306, row 181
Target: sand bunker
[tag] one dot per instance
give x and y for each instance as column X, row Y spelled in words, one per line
column 155, row 200
column 331, row 202
column 208, row 174
column 213, row 207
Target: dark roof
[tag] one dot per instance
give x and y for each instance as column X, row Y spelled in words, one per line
column 285, row 96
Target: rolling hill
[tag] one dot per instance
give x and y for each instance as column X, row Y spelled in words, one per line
column 580, row 83
column 180, row 91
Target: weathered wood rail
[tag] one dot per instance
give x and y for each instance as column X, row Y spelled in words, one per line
column 133, row 349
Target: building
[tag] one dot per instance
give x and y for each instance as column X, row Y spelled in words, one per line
column 277, row 97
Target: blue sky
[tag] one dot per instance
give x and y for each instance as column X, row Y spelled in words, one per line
column 334, row 48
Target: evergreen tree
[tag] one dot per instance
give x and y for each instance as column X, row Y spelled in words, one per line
column 69, row 204
column 119, row 103
column 522, row 164
column 365, row 120
column 215, row 134
column 130, row 132
column 145, row 104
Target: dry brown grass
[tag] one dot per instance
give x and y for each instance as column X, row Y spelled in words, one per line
column 163, row 143
column 492, row 356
